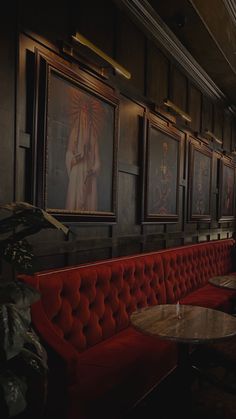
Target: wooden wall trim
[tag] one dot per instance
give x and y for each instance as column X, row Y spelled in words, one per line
column 128, row 168
column 231, row 7
column 142, row 11
column 52, row 248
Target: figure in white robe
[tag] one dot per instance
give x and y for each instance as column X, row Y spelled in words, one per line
column 82, row 163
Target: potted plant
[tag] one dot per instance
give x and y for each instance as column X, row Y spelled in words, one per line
column 23, row 360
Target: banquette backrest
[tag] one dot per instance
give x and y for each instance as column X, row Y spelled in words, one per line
column 85, row 304
column 188, row 268
column 223, row 256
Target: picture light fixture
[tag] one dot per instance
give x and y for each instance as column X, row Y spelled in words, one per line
column 80, row 39
column 177, row 110
column 213, row 137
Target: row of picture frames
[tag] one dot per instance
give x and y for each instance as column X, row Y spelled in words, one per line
column 164, row 169
column 76, row 139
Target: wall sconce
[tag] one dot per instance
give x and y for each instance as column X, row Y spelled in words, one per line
column 213, row 137
column 80, row 39
column 177, row 110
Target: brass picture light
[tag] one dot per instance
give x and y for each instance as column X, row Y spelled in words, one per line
column 177, row 110
column 212, row 136
column 80, row 39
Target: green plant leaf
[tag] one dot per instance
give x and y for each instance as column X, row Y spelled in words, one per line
column 23, row 220
column 33, row 361
column 19, row 254
column 25, row 214
column 14, row 392
column 14, row 324
column 19, row 293
column 32, row 342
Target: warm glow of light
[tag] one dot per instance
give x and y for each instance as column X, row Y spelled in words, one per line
column 176, row 109
column 210, row 134
column 80, row 39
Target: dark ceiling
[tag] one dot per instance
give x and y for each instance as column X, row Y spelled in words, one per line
column 207, row 29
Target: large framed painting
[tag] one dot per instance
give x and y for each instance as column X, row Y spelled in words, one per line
column 161, row 188
column 76, row 144
column 199, row 190
column 226, row 191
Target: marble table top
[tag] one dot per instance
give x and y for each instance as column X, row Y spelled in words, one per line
column 184, row 323
column 224, row 281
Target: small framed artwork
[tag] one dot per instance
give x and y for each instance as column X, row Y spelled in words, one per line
column 199, row 191
column 162, row 159
column 76, row 144
column 226, row 191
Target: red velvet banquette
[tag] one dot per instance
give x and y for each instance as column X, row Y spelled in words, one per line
column 83, row 319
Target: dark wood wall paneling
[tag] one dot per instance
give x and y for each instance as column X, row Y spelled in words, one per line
column 195, row 108
column 218, row 121
column 157, row 83
column 233, row 133
column 96, row 21
column 207, row 115
column 130, row 50
column 7, row 102
column 131, row 115
column 227, row 131
column 154, row 77
column 179, row 88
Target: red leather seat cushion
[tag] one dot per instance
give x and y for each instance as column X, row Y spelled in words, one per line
column 211, row 297
column 116, row 373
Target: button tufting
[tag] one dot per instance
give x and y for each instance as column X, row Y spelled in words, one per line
column 74, row 312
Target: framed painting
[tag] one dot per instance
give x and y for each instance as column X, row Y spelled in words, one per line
column 226, row 191
column 162, row 157
column 76, row 145
column 199, row 190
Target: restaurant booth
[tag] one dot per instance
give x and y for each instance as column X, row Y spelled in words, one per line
column 117, row 212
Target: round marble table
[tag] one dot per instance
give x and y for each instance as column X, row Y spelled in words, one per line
column 186, row 325
column 224, row 281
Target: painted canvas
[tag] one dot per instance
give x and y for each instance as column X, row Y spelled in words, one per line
column 162, row 175
column 227, row 185
column 80, row 150
column 200, row 183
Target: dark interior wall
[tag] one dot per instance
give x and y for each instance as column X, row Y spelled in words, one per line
column 154, row 77
column 7, row 102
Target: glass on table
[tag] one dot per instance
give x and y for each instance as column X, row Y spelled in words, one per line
column 178, row 314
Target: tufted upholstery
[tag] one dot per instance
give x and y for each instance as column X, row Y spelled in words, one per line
column 84, row 314
column 89, row 304
column 223, row 257
column 187, row 269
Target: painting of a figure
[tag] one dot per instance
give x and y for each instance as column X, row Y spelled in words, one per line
column 162, row 174
column 82, row 156
column 80, row 150
column 200, row 184
column 227, row 182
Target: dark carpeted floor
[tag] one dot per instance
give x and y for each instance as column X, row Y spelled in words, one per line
column 212, row 394
column 210, row 402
